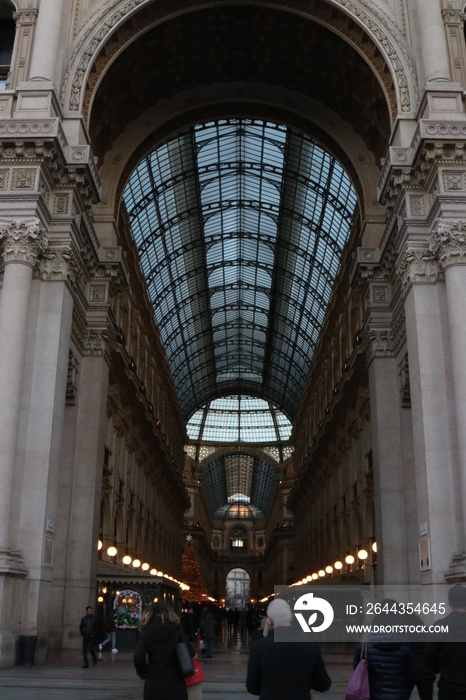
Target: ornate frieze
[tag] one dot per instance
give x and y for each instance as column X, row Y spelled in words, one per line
column 23, row 240
column 448, row 243
column 417, row 265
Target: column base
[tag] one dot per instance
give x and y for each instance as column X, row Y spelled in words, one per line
column 457, row 570
column 13, row 587
column 11, row 563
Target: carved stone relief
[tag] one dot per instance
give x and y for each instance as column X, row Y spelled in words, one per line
column 60, row 263
column 448, row 243
column 23, row 240
column 417, row 265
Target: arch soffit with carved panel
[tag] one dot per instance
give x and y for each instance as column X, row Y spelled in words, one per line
column 116, row 28
column 95, row 46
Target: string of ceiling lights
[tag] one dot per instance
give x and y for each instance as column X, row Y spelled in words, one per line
column 128, row 560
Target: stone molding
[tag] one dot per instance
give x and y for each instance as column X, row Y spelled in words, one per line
column 11, row 563
column 417, row 265
column 23, row 240
column 448, row 243
column 384, row 33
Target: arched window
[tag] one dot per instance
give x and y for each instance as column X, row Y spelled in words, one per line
column 239, row 538
column 7, row 39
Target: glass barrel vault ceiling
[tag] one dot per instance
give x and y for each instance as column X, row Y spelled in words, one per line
column 240, row 226
column 238, row 486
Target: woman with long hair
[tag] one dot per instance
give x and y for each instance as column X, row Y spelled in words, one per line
column 155, row 657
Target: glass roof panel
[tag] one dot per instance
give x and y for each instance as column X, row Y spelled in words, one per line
column 240, row 226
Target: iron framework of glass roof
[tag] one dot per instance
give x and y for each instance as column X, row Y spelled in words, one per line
column 238, row 486
column 240, row 226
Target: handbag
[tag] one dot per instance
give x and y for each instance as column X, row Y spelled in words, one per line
column 198, row 676
column 183, row 655
column 358, row 686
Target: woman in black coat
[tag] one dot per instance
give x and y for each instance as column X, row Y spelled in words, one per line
column 156, row 644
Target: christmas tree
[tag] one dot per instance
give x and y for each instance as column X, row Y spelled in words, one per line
column 191, row 574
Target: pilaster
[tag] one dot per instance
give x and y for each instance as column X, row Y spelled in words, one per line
column 448, row 245
column 438, row 507
column 20, row 61
column 454, row 28
column 380, row 344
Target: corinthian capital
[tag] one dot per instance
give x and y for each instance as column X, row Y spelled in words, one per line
column 417, row 265
column 448, row 243
column 23, row 240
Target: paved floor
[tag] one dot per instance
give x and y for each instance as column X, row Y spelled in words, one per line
column 114, row 678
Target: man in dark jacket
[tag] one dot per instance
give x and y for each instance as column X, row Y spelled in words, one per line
column 87, row 629
column 449, row 658
column 278, row 670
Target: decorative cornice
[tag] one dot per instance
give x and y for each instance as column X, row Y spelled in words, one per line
column 448, row 243
column 417, row 265
column 23, row 240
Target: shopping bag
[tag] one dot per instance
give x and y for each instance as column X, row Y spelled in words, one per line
column 198, row 676
column 358, row 686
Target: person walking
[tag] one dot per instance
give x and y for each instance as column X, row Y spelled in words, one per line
column 284, row 669
column 110, row 634
column 209, row 631
column 87, row 628
column 155, row 656
column 389, row 659
column 448, row 658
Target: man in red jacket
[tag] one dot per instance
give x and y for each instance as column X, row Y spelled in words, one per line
column 278, row 670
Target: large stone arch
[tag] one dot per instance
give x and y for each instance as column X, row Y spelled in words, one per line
column 95, row 46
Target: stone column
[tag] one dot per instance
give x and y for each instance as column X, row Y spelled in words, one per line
column 46, row 40
column 23, row 241
column 38, row 459
column 448, row 244
column 428, row 28
column 431, row 387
